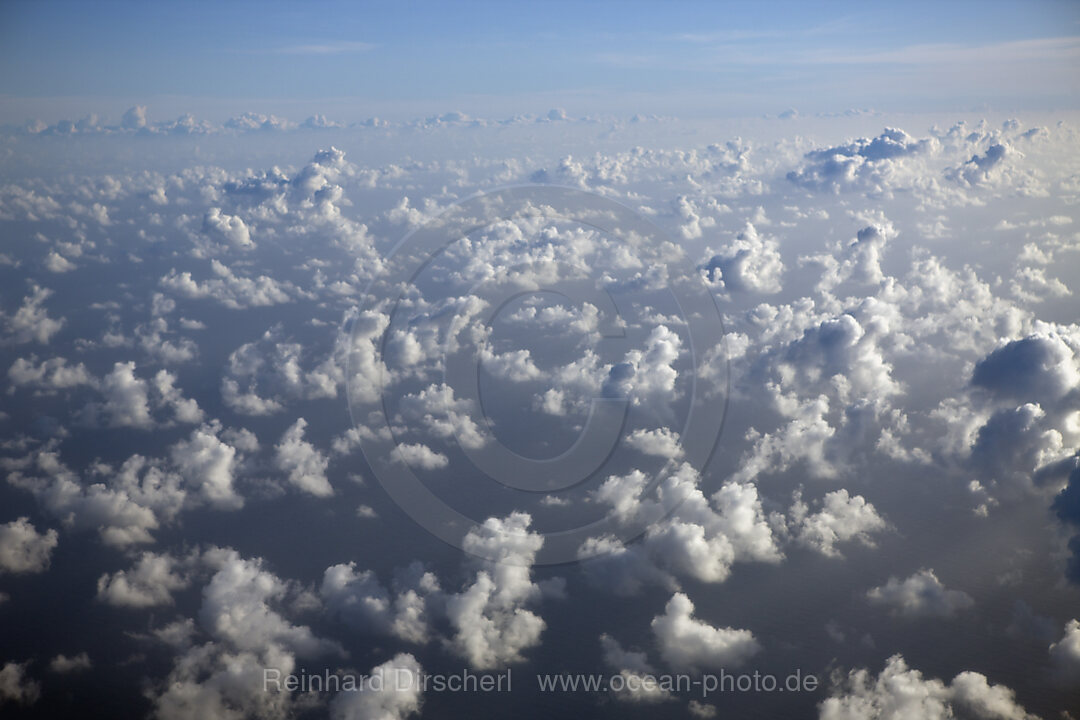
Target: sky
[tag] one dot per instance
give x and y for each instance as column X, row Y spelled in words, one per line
column 391, row 58
column 594, row 352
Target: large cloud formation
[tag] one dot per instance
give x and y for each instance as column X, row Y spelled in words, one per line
column 181, row 340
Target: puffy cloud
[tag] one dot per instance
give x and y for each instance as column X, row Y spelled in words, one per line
column 1067, row 507
column 638, row 678
column 304, row 464
column 750, row 263
column 62, row 664
column 876, row 165
column 185, row 410
column 701, row 710
column 257, row 121
column 859, row 260
column 127, row 403
column 693, row 223
column 262, row 375
column 700, row 537
column 1042, row 367
column 224, row 677
column 807, row 437
column 515, row 365
column 420, row 456
column 208, row 466
column 648, row 377
column 153, row 337
column 491, row 624
column 921, row 595
column 391, row 691
column 1065, row 655
column 125, row 504
column 361, row 600
column 319, row 121
column 134, row 118
column 1014, row 442
column 50, row 375
column 985, row 168
column 229, row 228
column 231, row 290
column 437, row 410
column 57, row 263
column 691, row 645
column 151, row 582
column 1031, row 285
column 210, row 681
column 661, row 442
column 842, row 518
column 23, row 549
column 123, row 511
column 31, row 322
column 15, row 686
column 902, row 692
column 237, row 607
column 841, row 346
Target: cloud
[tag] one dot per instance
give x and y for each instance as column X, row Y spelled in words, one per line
column 256, row 121
column 362, row 601
column 23, row 549
column 185, row 410
column 648, row 377
column 57, row 263
column 16, row 687
column 691, row 645
column 134, row 118
column 902, row 692
column 31, row 322
column 150, row 583
column 231, row 290
column 228, row 228
column 491, row 625
column 859, row 260
column 1065, row 655
column 124, row 510
column 262, row 376
column 701, row 538
column 50, row 375
column 327, row 48
column 842, row 518
column 208, row 465
column 437, row 410
column 237, row 607
column 876, row 165
column 420, row 456
column 127, row 402
column 1041, row 367
column 921, row 595
column 882, row 360
column 639, row 683
column 661, row 442
column 305, row 466
column 391, row 691
column 750, row 263
column 1067, row 507
column 242, row 613
column 985, row 168
column 63, row 665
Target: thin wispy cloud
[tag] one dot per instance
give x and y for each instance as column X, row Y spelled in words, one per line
column 1036, row 49
column 330, row 48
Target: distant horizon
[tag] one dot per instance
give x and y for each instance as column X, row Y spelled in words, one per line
column 613, row 361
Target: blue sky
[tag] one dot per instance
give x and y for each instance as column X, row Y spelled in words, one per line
column 434, row 57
